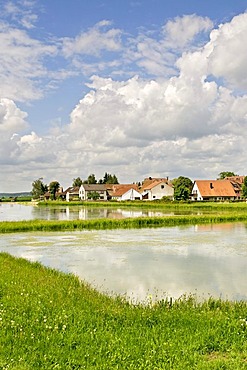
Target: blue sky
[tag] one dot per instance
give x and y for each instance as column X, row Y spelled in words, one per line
column 135, row 88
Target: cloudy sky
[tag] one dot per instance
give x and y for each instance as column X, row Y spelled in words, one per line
column 136, row 88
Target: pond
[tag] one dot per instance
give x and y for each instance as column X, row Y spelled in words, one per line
column 18, row 212
column 208, row 260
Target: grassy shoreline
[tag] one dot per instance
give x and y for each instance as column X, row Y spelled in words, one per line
column 241, row 205
column 51, row 320
column 138, row 222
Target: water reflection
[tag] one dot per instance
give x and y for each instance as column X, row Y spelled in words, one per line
column 206, row 260
column 17, row 212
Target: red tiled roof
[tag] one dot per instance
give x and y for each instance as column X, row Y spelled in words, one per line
column 215, row 188
column 119, row 189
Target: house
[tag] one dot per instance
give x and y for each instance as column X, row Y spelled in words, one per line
column 88, row 191
column 123, row 192
column 156, row 188
column 72, row 193
column 213, row 190
column 60, row 194
column 237, row 183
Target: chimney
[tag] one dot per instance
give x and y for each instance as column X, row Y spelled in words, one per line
column 211, row 185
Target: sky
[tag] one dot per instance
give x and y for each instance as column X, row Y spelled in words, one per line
column 135, row 88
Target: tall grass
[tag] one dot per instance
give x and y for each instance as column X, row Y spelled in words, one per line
column 138, row 222
column 152, row 204
column 50, row 320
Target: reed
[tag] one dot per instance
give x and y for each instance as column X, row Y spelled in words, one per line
column 138, row 222
column 50, row 320
column 172, row 205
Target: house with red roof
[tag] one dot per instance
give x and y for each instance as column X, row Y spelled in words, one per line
column 156, row 188
column 123, row 192
column 214, row 190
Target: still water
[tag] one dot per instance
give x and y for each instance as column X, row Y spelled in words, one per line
column 18, row 212
column 208, row 260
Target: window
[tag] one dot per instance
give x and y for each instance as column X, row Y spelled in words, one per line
column 162, row 186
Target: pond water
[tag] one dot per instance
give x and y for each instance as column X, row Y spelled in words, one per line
column 18, row 212
column 208, row 260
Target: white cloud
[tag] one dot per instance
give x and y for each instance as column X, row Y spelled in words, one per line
column 97, row 39
column 228, row 56
column 21, row 12
column 182, row 30
column 21, row 64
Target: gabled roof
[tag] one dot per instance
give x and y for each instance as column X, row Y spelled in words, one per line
column 149, row 184
column 119, row 189
column 72, row 189
column 215, row 188
column 236, row 179
column 94, row 187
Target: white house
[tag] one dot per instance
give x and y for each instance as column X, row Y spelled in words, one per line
column 214, row 190
column 157, row 189
column 86, row 191
column 123, row 192
column 72, row 193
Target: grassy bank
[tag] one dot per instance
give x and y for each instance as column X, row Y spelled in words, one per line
column 221, row 206
column 49, row 320
column 138, row 222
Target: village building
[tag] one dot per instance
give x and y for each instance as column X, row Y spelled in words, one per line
column 214, row 190
column 72, row 193
column 157, row 188
column 87, row 191
column 122, row 192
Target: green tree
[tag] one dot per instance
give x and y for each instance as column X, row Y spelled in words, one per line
column 91, row 179
column 94, row 195
column 53, row 188
column 38, row 188
column 182, row 188
column 224, row 174
column 77, row 182
column 109, row 179
column 244, row 188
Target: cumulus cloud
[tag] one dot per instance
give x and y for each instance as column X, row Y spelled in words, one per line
column 228, row 58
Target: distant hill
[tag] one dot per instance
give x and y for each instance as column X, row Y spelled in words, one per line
column 14, row 195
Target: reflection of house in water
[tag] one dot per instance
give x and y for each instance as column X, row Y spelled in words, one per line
column 87, row 213
column 216, row 227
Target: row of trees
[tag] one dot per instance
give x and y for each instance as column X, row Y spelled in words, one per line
column 107, row 179
column 39, row 188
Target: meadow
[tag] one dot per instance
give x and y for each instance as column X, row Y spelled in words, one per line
column 51, row 320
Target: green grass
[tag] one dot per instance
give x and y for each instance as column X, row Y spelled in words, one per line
column 138, row 222
column 173, row 205
column 50, row 320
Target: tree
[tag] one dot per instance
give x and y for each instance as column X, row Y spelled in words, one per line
column 109, row 179
column 77, row 182
column 93, row 195
column 224, row 174
column 91, row 179
column 244, row 188
column 182, row 188
column 38, row 188
column 53, row 188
